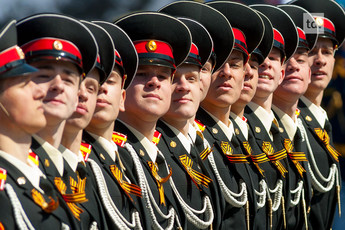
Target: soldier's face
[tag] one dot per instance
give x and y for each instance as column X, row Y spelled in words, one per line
column 149, row 94
column 185, row 96
column 60, row 80
column 321, row 61
column 205, row 78
column 110, row 101
column 227, row 82
column 86, row 104
column 271, row 74
column 250, row 81
column 297, row 76
column 22, row 99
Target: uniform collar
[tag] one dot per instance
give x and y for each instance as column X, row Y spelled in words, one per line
column 227, row 130
column 241, row 124
column 150, row 148
column 186, row 142
column 262, row 113
column 109, row 146
column 30, row 171
column 318, row 112
column 54, row 154
column 289, row 124
column 71, row 158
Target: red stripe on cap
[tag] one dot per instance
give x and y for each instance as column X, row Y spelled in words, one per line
column 153, row 46
column 278, row 37
column 240, row 42
column 301, row 34
column 194, row 50
column 47, row 44
column 325, row 22
column 10, row 55
column 118, row 59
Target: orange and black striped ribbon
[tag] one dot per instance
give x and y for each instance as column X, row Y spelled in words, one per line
column 233, row 158
column 204, row 154
column 295, row 156
column 71, row 199
column 197, row 178
column 48, row 207
column 275, row 157
column 128, row 188
column 256, row 159
column 323, row 135
column 160, row 181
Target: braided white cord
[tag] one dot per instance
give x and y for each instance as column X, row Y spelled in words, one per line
column 22, row 220
column 147, row 194
column 298, row 192
column 261, row 201
column 190, row 212
column 278, row 192
column 235, row 199
column 118, row 219
column 333, row 172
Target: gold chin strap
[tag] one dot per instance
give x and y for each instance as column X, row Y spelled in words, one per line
column 4, row 109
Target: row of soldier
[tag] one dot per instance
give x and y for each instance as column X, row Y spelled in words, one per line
column 199, row 116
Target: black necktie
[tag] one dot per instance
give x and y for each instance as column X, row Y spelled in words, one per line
column 328, row 129
column 81, row 169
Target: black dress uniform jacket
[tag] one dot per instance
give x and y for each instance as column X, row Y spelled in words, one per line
column 191, row 193
column 323, row 205
column 39, row 218
column 120, row 199
column 232, row 174
column 170, row 199
column 271, row 172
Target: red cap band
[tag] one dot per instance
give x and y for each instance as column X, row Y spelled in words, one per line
column 154, row 46
column 10, row 55
column 44, row 46
column 240, row 42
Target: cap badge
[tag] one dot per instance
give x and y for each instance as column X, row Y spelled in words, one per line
column 151, row 46
column 319, row 21
column 57, row 45
column 20, row 52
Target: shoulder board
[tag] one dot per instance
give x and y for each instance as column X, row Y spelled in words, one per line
column 200, row 125
column 156, row 137
column 3, row 175
column 33, row 157
column 85, row 150
column 119, row 139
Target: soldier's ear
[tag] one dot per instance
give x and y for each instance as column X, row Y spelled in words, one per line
column 122, row 100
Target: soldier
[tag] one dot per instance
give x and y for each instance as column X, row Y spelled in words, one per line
column 190, row 181
column 27, row 200
column 244, row 135
column 323, row 165
column 73, row 150
column 260, row 116
column 63, row 57
column 116, row 184
column 162, row 43
column 285, row 100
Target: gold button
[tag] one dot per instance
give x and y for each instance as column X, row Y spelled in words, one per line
column 173, row 144
column 46, row 163
column 141, row 152
column 281, row 129
column 237, row 131
column 21, row 180
column 257, row 129
column 308, row 118
column 214, row 130
column 102, row 156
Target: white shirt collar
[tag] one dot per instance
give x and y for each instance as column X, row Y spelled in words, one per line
column 289, row 124
column 241, row 124
column 227, row 130
column 192, row 133
column 150, row 148
column 319, row 113
column 109, row 146
column 71, row 158
column 186, row 142
column 30, row 171
column 54, row 154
